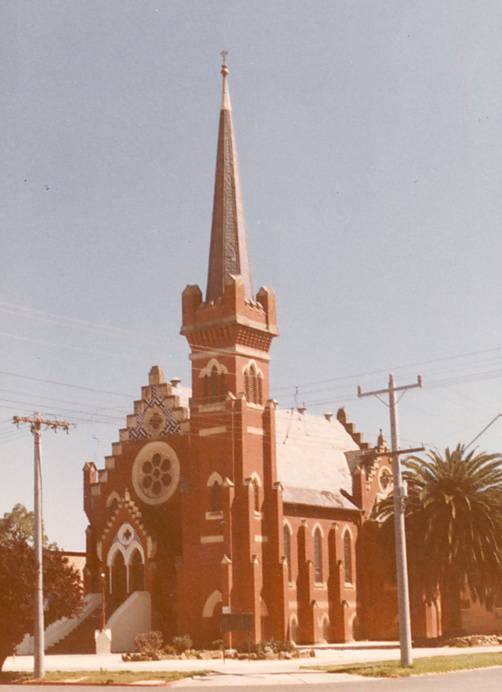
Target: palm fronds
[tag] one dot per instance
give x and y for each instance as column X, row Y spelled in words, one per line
column 453, row 521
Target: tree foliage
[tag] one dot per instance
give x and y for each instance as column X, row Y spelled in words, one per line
column 453, row 522
column 21, row 522
column 62, row 588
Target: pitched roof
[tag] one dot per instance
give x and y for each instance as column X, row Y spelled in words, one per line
column 311, row 452
column 317, row 498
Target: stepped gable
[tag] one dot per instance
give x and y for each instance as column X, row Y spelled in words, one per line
column 162, row 411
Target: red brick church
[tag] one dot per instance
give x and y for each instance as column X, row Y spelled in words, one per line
column 216, row 500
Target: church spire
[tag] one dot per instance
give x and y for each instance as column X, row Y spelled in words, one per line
column 228, row 253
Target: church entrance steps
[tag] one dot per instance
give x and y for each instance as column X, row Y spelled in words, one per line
column 61, row 629
column 132, row 617
column 81, row 639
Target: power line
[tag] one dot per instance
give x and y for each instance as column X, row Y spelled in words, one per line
column 415, row 364
column 64, row 401
column 66, row 384
column 80, row 349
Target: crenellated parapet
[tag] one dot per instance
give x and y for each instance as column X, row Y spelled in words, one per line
column 231, row 318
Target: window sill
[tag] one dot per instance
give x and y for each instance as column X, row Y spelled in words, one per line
column 212, row 516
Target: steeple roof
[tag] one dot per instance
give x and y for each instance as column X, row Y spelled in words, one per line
column 228, row 253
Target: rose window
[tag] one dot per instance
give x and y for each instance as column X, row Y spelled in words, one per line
column 155, row 472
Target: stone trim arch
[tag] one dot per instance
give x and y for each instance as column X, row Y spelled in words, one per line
column 255, row 477
column 252, row 364
column 213, row 363
column 111, row 497
column 115, row 548
column 211, row 602
column 214, row 478
column 317, row 526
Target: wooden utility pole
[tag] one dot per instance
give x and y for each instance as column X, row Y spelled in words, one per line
column 37, row 423
column 399, row 526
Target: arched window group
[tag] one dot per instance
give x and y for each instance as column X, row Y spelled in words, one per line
column 318, row 555
column 253, row 385
column 214, row 384
column 126, row 574
column 347, row 557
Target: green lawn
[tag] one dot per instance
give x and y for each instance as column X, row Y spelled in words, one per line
column 103, row 677
column 428, row 664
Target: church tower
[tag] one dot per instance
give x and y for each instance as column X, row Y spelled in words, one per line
column 231, row 500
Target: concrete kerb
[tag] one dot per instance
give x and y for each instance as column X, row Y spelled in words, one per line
column 324, row 656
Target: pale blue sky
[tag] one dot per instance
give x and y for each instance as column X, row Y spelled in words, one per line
column 369, row 140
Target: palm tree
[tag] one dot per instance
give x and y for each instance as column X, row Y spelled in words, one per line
column 453, row 525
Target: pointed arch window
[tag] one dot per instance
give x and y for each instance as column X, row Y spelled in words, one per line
column 347, row 557
column 214, row 384
column 118, row 579
column 253, row 384
column 136, row 572
column 287, row 549
column 259, row 389
column 256, row 495
column 216, row 497
column 318, row 555
column 250, row 384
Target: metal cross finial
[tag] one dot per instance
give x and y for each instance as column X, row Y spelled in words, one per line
column 224, row 66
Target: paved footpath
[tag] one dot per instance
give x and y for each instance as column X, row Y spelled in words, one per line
column 253, row 673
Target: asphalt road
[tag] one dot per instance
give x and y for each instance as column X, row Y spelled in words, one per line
column 487, row 680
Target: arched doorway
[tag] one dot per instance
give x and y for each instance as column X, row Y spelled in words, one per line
column 136, row 572
column 118, row 579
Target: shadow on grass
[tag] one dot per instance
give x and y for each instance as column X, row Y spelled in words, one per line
column 98, row 677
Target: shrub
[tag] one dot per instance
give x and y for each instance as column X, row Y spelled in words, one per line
column 150, row 644
column 218, row 644
column 275, row 645
column 182, row 643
